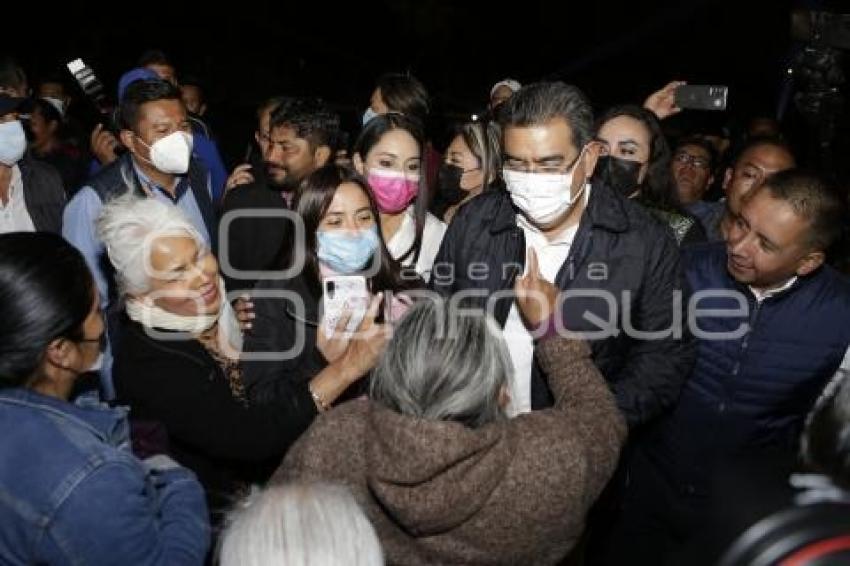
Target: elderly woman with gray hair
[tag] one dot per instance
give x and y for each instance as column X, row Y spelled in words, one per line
column 300, row 525
column 176, row 363
column 443, row 474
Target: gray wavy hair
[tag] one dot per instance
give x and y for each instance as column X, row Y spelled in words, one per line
column 300, row 525
column 127, row 226
column 444, row 363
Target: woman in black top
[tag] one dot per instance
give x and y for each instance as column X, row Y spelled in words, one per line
column 176, row 364
column 342, row 236
column 635, row 162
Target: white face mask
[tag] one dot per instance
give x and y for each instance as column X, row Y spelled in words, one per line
column 171, row 154
column 542, row 197
column 13, row 142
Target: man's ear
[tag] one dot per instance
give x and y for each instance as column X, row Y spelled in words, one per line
column 128, row 138
column 708, row 184
column 358, row 163
column 322, row 155
column 591, row 156
column 727, row 178
column 203, row 109
column 810, row 262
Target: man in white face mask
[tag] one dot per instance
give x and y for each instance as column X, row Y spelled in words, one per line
column 620, row 267
column 31, row 192
column 155, row 129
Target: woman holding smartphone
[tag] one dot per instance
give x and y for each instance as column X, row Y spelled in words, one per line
column 344, row 254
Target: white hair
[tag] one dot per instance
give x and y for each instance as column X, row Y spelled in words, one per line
column 300, row 525
column 128, row 225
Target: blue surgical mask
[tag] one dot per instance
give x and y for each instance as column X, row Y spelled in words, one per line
column 368, row 115
column 347, row 252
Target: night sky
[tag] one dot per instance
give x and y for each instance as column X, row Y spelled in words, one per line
column 615, row 51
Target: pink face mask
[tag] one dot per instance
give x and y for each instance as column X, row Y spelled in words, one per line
column 393, row 190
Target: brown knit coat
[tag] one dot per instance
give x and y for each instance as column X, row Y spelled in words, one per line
column 437, row 492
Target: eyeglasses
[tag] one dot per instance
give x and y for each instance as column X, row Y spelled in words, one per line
column 513, row 164
column 686, row 158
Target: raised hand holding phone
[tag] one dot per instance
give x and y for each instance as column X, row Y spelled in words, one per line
column 344, row 293
column 357, row 348
column 702, row 97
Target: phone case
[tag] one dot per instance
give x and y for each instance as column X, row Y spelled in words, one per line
column 701, row 97
column 341, row 292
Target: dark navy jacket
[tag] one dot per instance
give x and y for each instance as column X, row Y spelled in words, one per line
column 750, row 390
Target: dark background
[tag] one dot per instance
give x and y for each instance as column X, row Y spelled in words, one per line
column 248, row 50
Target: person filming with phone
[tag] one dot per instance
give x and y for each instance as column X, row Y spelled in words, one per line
column 346, row 265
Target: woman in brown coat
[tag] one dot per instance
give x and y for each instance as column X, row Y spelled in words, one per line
column 442, row 473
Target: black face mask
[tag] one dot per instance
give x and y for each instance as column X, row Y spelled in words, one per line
column 448, row 182
column 619, row 174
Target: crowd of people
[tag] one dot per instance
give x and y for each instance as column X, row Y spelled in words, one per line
column 556, row 339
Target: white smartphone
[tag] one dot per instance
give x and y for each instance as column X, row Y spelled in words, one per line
column 341, row 293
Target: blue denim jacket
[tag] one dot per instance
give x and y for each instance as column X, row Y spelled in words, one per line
column 71, row 491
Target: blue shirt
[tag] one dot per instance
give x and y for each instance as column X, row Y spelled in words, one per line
column 78, row 223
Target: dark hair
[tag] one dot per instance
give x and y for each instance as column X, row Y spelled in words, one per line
column 312, row 202
column 272, row 104
column 403, row 93
column 826, row 438
column 701, row 143
column 154, row 57
column 484, row 140
column 11, row 74
column 141, row 92
column 812, row 199
column 759, row 141
column 370, row 135
column 657, row 189
column 47, row 110
column 49, row 113
column 46, row 292
column 538, row 103
column 55, row 79
column 191, row 80
column 311, row 119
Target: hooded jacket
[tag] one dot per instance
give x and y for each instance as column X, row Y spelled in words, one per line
column 509, row 492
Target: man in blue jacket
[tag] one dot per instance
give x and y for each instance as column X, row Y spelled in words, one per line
column 773, row 326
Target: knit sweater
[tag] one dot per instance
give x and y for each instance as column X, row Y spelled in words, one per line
column 510, row 492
